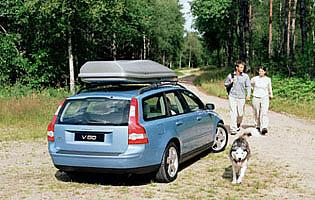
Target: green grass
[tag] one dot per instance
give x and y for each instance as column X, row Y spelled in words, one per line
column 26, row 116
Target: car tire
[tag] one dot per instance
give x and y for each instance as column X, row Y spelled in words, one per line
column 169, row 166
column 221, row 139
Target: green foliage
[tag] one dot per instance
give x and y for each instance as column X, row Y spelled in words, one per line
column 20, row 91
column 193, row 51
column 221, row 24
column 212, row 20
column 12, row 62
column 35, row 34
column 297, row 89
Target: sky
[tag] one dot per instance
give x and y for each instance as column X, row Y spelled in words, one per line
column 187, row 14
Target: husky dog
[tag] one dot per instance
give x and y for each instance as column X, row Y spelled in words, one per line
column 239, row 155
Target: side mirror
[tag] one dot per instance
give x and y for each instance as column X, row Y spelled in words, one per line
column 210, row 106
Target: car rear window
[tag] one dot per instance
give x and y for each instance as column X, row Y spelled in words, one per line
column 96, row 111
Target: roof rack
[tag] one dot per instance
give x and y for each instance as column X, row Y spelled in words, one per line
column 158, row 85
column 126, row 72
column 142, row 87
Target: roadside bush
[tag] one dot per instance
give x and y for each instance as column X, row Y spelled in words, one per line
column 19, row 90
column 297, row 89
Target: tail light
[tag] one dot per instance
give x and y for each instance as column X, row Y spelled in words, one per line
column 51, row 125
column 136, row 132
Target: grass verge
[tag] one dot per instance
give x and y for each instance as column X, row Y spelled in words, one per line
column 27, row 117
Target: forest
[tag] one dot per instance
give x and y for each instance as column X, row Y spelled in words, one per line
column 278, row 34
column 40, row 39
column 43, row 43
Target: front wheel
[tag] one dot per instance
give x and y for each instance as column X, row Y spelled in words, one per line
column 221, row 139
column 169, row 166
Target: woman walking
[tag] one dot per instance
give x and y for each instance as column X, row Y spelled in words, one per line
column 261, row 95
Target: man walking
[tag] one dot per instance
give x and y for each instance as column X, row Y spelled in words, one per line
column 239, row 89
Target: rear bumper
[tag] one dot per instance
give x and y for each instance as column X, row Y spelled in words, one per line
column 135, row 160
column 139, row 170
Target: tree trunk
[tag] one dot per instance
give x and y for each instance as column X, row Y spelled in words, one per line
column 189, row 59
column 230, row 47
column 148, row 47
column 250, row 38
column 244, row 30
column 241, row 32
column 144, row 47
column 281, row 31
column 303, row 24
column 270, row 30
column 231, row 30
column 293, row 36
column 285, row 29
column 114, row 47
column 218, row 57
column 288, row 28
column 180, row 60
column 71, row 66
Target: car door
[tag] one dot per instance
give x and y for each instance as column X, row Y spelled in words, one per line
column 185, row 122
column 197, row 110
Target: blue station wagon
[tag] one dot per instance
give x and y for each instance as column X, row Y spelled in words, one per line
column 133, row 128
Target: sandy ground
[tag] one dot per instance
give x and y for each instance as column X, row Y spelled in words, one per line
column 290, row 142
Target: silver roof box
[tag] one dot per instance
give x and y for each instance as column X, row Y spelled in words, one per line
column 126, row 71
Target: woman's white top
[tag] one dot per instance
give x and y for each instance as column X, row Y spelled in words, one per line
column 262, row 86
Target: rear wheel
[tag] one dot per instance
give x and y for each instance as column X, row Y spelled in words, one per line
column 221, row 139
column 169, row 166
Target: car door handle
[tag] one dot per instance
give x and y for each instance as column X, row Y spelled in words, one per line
column 199, row 118
column 179, row 123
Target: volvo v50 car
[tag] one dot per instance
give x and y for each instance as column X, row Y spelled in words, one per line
column 132, row 129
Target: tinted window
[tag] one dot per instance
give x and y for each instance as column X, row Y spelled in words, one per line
column 192, row 101
column 173, row 104
column 96, row 111
column 153, row 107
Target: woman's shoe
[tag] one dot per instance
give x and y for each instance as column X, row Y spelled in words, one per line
column 264, row 131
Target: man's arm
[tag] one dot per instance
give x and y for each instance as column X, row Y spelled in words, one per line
column 248, row 87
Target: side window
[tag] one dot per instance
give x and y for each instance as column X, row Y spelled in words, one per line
column 192, row 101
column 173, row 104
column 153, row 107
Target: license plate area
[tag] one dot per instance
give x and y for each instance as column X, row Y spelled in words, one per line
column 89, row 137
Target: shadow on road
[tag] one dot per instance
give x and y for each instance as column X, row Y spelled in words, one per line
column 105, row 179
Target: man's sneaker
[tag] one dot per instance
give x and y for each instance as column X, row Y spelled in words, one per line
column 238, row 129
column 264, row 131
column 258, row 129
